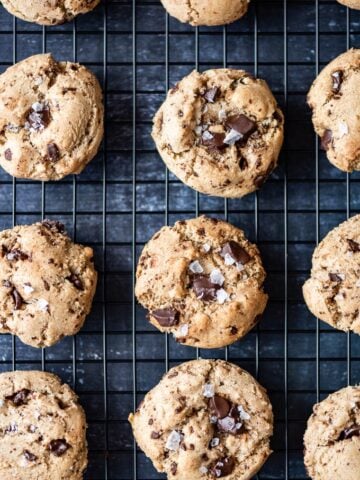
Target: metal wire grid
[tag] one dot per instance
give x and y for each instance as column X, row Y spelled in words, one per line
column 130, row 357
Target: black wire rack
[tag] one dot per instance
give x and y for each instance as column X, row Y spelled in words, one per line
column 126, row 194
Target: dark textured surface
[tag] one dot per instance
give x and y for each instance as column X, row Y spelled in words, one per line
column 99, row 209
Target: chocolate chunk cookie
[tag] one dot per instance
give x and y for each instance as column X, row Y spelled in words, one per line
column 336, row 116
column 351, row 3
column 48, row 12
column 332, row 293
column 47, row 283
column 43, row 428
column 206, row 12
column 51, row 118
column 202, row 280
column 206, row 419
column 220, row 132
column 332, row 438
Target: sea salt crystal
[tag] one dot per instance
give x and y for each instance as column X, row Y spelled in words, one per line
column 339, row 297
column 182, row 331
column 203, row 470
column 28, row 288
column 240, row 267
column 195, row 267
column 198, row 130
column 222, row 296
column 12, row 128
column 208, row 390
column 37, row 107
column 228, row 259
column 38, row 80
column 213, row 419
column 42, row 305
column 217, row 277
column 343, row 129
column 341, row 276
column 173, row 441
column 207, row 135
column 214, row 442
column 206, row 247
column 243, row 415
column 222, row 115
column 232, row 137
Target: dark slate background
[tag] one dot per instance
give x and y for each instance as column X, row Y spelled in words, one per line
column 124, row 195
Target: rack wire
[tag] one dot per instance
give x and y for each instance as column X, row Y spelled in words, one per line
column 126, row 194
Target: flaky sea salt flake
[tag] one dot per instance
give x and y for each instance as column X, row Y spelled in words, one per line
column 208, row 390
column 196, row 267
column 173, row 441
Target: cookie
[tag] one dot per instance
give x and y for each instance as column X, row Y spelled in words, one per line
column 335, row 111
column 332, row 292
column 206, row 12
column 51, row 118
column 201, row 280
column 47, row 283
column 332, row 438
column 48, row 12
column 220, row 132
column 43, row 428
column 205, row 419
column 351, row 3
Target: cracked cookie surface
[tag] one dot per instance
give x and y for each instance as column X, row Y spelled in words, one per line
column 206, row 12
column 335, row 114
column 220, row 132
column 202, row 281
column 42, row 428
column 332, row 438
column 51, row 118
column 48, row 12
column 206, row 419
column 332, row 292
column 47, row 283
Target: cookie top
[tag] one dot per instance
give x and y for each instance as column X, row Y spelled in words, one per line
column 47, row 283
column 220, row 132
column 43, row 428
column 201, row 280
column 332, row 293
column 51, row 118
column 48, row 12
column 205, row 419
column 332, row 438
column 351, row 3
column 336, row 111
column 206, row 12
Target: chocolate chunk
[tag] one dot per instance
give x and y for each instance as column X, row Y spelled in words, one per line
column 326, row 140
column 16, row 254
column 211, row 94
column 334, row 277
column 155, row 435
column 167, row 317
column 8, row 154
column 204, row 289
column 223, row 467
column 353, row 431
column 337, row 79
column 18, row 300
column 173, row 468
column 233, row 330
column 39, row 117
column 242, row 125
column 213, row 140
column 354, row 246
column 58, row 447
column 243, row 164
column 53, row 152
column 236, row 252
column 19, row 398
column 75, row 280
column 30, row 456
column 53, row 225
column 220, row 407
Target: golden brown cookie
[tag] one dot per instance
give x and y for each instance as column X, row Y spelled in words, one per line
column 351, row 3
column 201, row 280
column 220, row 132
column 206, row 419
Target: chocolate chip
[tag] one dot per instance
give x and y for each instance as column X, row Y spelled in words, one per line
column 236, row 252
column 155, row 435
column 19, row 398
column 354, row 246
column 219, row 406
column 173, row 468
column 211, row 94
column 16, row 254
column 167, row 317
column 75, row 280
column 337, row 79
column 53, row 225
column 53, row 152
column 30, row 456
column 243, row 164
column 233, row 330
column 326, row 140
column 213, row 140
column 223, row 467
column 39, row 117
column 334, row 277
column 242, row 125
column 58, row 447
column 18, row 300
column 8, row 154
column 204, row 289
column 353, row 431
